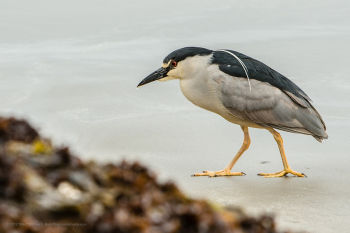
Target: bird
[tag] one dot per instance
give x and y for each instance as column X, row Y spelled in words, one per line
column 243, row 91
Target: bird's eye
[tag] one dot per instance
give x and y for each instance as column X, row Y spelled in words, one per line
column 173, row 63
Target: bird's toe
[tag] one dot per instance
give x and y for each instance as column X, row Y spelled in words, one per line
column 282, row 174
column 219, row 173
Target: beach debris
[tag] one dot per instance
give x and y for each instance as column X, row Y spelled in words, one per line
column 47, row 189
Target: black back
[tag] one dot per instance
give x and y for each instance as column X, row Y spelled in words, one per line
column 256, row 70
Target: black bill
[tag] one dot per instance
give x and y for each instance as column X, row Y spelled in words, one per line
column 158, row 74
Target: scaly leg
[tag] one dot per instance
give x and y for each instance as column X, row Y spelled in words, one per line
column 287, row 169
column 227, row 170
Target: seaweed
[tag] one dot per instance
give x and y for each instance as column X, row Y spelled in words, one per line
column 48, row 189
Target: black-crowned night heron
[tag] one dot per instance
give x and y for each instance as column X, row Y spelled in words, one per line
column 244, row 91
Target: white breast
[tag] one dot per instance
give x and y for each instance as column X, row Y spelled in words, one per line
column 198, row 84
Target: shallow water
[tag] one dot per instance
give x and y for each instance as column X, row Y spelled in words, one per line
column 72, row 69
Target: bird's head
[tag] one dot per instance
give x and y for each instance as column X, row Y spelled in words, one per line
column 174, row 65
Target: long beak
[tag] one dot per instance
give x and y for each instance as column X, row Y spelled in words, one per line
column 158, row 74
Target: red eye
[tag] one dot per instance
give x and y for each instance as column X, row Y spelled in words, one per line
column 174, row 63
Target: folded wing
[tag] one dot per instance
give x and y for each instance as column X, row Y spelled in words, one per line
column 273, row 101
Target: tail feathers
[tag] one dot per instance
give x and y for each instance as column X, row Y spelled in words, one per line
column 323, row 135
column 312, row 122
column 320, row 138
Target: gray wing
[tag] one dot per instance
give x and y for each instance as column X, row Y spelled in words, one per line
column 268, row 106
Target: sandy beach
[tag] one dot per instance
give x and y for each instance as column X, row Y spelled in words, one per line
column 72, row 69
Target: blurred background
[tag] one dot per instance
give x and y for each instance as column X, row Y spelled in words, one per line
column 71, row 68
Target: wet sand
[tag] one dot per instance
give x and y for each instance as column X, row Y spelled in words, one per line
column 73, row 70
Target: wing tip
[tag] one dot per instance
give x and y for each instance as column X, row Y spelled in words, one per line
column 321, row 138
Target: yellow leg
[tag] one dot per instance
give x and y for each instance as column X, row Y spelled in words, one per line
column 227, row 170
column 286, row 167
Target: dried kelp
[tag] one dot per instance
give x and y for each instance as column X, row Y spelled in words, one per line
column 47, row 189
